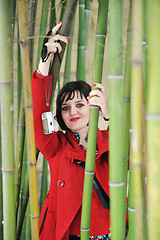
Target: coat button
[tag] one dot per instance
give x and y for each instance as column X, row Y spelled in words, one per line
column 60, row 183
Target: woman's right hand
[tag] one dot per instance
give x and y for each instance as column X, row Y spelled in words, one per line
column 52, row 46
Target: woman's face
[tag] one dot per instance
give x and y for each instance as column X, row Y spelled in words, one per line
column 75, row 113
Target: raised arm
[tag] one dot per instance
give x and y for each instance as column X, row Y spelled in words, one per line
column 41, row 92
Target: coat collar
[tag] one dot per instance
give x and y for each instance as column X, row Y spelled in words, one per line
column 74, row 151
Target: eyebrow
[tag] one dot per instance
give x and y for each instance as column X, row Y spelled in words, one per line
column 82, row 100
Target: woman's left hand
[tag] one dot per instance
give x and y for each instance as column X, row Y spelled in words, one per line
column 98, row 98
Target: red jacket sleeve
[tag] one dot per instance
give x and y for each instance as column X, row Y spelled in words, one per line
column 47, row 144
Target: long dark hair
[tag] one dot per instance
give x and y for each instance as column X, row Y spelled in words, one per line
column 69, row 90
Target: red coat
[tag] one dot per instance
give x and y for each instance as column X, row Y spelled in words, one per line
column 66, row 188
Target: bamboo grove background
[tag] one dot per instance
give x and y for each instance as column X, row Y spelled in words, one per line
column 113, row 42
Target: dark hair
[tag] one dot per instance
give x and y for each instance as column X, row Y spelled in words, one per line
column 69, row 90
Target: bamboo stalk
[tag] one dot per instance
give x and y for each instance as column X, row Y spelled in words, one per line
column 1, row 190
column 67, row 69
column 31, row 154
column 53, row 15
column 131, row 208
column 65, row 30
column 19, row 152
column 43, row 26
column 87, row 16
column 6, row 92
column 153, row 119
column 22, row 206
column 28, row 224
column 126, row 99
column 81, row 57
column 117, row 203
column 32, row 17
column 136, row 117
column 93, row 121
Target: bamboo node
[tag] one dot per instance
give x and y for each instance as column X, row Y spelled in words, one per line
column 153, row 116
column 34, row 217
column 85, row 229
column 8, row 171
column 125, row 159
column 115, row 76
column 131, row 209
column 126, row 99
column 88, row 172
column 31, row 164
column 116, row 184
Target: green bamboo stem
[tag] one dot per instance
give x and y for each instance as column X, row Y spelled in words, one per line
column 131, row 208
column 153, row 120
column 31, row 154
column 43, row 26
column 93, row 121
column 65, row 30
column 28, row 224
column 32, row 17
column 53, row 14
column 44, row 182
column 1, row 189
column 116, row 163
column 67, row 69
column 126, row 99
column 81, row 57
column 87, row 16
column 136, row 117
column 6, row 92
column 63, row 7
column 22, row 206
column 19, row 152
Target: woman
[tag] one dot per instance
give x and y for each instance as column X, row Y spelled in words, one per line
column 61, row 212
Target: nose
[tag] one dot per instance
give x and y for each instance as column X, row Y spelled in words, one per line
column 73, row 110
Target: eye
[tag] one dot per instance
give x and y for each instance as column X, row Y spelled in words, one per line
column 79, row 105
column 65, row 108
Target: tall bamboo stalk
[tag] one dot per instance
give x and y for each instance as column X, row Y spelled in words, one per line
column 65, row 30
column 126, row 99
column 43, row 26
column 67, row 70
column 93, row 120
column 81, row 58
column 22, row 17
column 53, row 14
column 1, row 190
column 153, row 119
column 19, row 152
column 87, row 16
column 131, row 208
column 22, row 206
column 136, row 116
column 6, row 91
column 117, row 205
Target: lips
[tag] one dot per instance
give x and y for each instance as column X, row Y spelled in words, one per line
column 74, row 119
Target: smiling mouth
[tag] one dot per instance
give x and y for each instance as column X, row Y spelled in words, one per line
column 74, row 119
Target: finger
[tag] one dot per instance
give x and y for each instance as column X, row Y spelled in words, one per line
column 61, row 38
column 56, row 28
column 54, row 47
column 95, row 93
column 99, row 85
